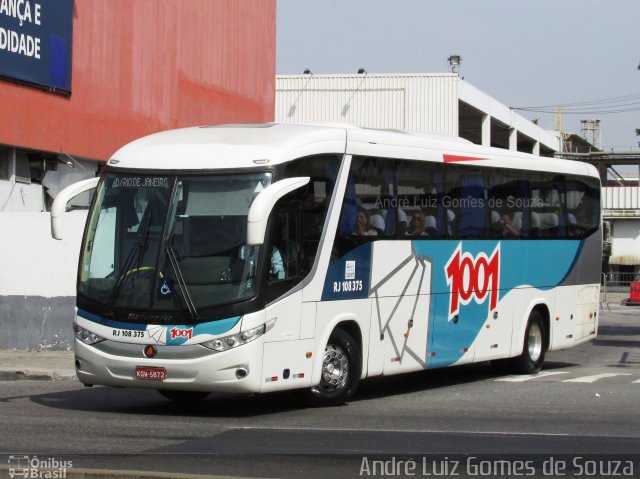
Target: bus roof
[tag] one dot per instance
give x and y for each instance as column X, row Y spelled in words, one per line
column 250, row 145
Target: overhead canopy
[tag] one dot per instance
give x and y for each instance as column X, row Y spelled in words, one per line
column 628, row 260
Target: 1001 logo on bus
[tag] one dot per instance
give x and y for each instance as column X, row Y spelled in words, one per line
column 181, row 333
column 472, row 278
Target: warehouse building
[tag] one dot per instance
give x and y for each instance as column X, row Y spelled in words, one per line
column 440, row 103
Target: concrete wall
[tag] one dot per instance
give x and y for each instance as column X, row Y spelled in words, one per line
column 626, row 237
column 15, row 196
column 37, row 280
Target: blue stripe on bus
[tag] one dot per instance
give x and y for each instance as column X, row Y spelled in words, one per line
column 340, row 284
column 541, row 264
column 214, row 328
column 110, row 323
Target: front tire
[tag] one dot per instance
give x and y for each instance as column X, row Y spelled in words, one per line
column 534, row 347
column 341, row 370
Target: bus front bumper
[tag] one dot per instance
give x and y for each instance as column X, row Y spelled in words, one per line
column 187, row 368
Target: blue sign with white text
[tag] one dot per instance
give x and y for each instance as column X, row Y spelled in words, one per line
column 35, row 42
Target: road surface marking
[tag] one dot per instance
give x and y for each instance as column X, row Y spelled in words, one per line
column 594, row 378
column 529, row 377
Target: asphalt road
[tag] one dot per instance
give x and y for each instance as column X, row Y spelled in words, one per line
column 586, row 401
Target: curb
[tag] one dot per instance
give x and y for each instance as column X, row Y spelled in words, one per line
column 37, row 374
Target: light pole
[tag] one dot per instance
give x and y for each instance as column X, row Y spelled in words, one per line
column 454, row 62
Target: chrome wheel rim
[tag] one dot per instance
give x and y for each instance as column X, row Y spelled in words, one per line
column 335, row 368
column 534, row 342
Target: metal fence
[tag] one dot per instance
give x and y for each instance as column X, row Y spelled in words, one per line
column 615, row 287
column 617, row 282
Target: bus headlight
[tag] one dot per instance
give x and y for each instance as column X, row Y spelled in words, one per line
column 238, row 339
column 87, row 337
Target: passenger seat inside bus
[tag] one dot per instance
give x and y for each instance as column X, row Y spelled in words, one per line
column 376, row 220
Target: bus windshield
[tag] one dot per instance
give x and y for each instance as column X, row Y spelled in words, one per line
column 170, row 243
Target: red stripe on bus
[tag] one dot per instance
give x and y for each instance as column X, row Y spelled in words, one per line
column 456, row 158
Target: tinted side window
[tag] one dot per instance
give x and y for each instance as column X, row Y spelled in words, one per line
column 466, row 202
column 548, row 216
column 369, row 208
column 421, row 212
column 507, row 204
column 583, row 207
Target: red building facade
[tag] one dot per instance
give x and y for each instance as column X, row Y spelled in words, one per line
column 144, row 66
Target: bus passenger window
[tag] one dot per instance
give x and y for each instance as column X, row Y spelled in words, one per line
column 369, row 208
column 507, row 202
column 582, row 216
column 548, row 219
column 466, row 199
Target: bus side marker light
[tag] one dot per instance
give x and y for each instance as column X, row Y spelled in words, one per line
column 569, row 336
column 558, row 318
column 488, row 326
column 406, row 335
column 272, row 379
column 309, row 354
column 465, row 350
column 494, row 346
column 433, row 354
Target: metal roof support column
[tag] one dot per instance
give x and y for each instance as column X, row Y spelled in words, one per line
column 536, row 148
column 513, row 139
column 486, row 130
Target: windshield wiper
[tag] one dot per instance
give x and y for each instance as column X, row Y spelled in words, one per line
column 138, row 247
column 171, row 254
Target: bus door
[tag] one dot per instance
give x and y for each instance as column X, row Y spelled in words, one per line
column 285, row 365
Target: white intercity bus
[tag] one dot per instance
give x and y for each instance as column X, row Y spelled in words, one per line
column 258, row 258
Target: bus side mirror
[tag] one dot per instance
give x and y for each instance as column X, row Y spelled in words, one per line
column 60, row 203
column 264, row 203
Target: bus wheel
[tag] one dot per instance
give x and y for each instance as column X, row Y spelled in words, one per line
column 183, row 396
column 341, row 369
column 534, row 348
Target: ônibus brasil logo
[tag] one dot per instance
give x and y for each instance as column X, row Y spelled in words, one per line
column 472, row 278
column 181, row 333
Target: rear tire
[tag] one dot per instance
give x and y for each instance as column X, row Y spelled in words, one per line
column 183, row 396
column 534, row 347
column 341, row 370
